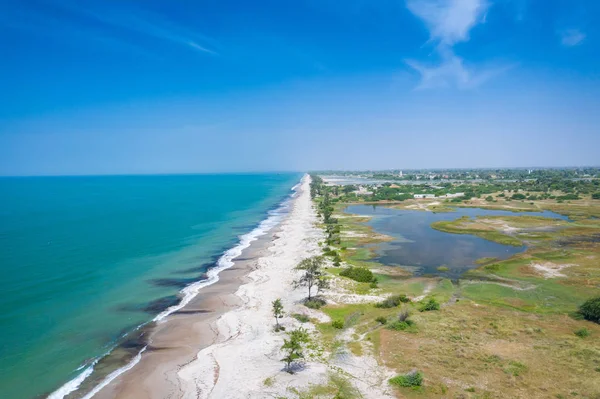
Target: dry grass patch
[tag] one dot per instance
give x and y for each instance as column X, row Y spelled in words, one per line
column 497, row 352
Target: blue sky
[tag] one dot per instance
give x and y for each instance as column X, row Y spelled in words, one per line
column 103, row 87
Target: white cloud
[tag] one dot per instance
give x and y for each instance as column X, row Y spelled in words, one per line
column 453, row 72
column 571, row 37
column 449, row 22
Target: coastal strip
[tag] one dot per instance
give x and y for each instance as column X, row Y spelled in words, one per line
column 190, row 310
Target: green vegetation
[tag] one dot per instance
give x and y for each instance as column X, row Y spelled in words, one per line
column 315, row 303
column 428, row 305
column 510, row 323
column 360, row 274
column 582, row 333
column 313, row 276
column 412, row 379
column 515, row 368
column 293, row 347
column 339, row 324
column 461, row 226
column 302, row 318
column 277, row 313
column 591, row 309
column 402, row 322
column 393, row 301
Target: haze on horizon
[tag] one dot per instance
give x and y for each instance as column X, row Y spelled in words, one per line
column 126, row 87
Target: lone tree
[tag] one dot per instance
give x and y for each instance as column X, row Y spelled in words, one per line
column 292, row 346
column 277, row 312
column 313, row 274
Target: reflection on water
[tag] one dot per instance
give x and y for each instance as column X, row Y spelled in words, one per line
column 422, row 249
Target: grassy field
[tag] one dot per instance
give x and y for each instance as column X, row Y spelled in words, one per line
column 505, row 329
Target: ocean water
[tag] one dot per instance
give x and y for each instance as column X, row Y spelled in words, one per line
column 422, row 249
column 85, row 260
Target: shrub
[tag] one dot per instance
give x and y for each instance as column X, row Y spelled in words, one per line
column 315, row 303
column 428, row 305
column 339, row 324
column 582, row 333
column 360, row 274
column 515, row 368
column 381, row 320
column 412, row 379
column 443, row 268
column 518, row 196
column 401, row 325
column 596, row 196
column 302, row 318
column 591, row 309
column 393, row 301
column 489, row 198
column 568, row 197
column 373, row 284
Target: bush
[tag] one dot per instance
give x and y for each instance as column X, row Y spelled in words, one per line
column 412, row 379
column 401, row 325
column 518, row 196
column 596, row 196
column 582, row 333
column 489, row 198
column 302, row 318
column 381, row 320
column 339, row 324
column 315, row 303
column 431, row 304
column 360, row 274
column 591, row 309
column 373, row 284
column 568, row 197
column 393, row 301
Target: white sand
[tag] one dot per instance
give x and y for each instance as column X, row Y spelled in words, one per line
column 549, row 269
column 248, row 351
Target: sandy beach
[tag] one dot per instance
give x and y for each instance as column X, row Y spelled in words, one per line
column 222, row 344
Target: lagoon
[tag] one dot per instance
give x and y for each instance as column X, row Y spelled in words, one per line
column 422, row 249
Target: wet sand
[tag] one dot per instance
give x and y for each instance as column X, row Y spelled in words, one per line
column 176, row 341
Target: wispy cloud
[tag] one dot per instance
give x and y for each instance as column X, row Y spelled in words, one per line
column 114, row 24
column 450, row 22
column 571, row 37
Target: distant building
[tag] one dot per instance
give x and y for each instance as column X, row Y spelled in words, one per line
column 455, row 195
column 394, row 186
column 362, row 191
column 417, row 196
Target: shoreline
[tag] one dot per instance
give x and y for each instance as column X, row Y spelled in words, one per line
column 223, row 343
column 192, row 308
column 197, row 351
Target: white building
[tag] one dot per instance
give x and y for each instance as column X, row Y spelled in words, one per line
column 453, row 195
column 416, row 196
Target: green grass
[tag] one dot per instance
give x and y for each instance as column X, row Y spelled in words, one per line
column 454, row 227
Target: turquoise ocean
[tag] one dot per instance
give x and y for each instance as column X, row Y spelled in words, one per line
column 86, row 260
